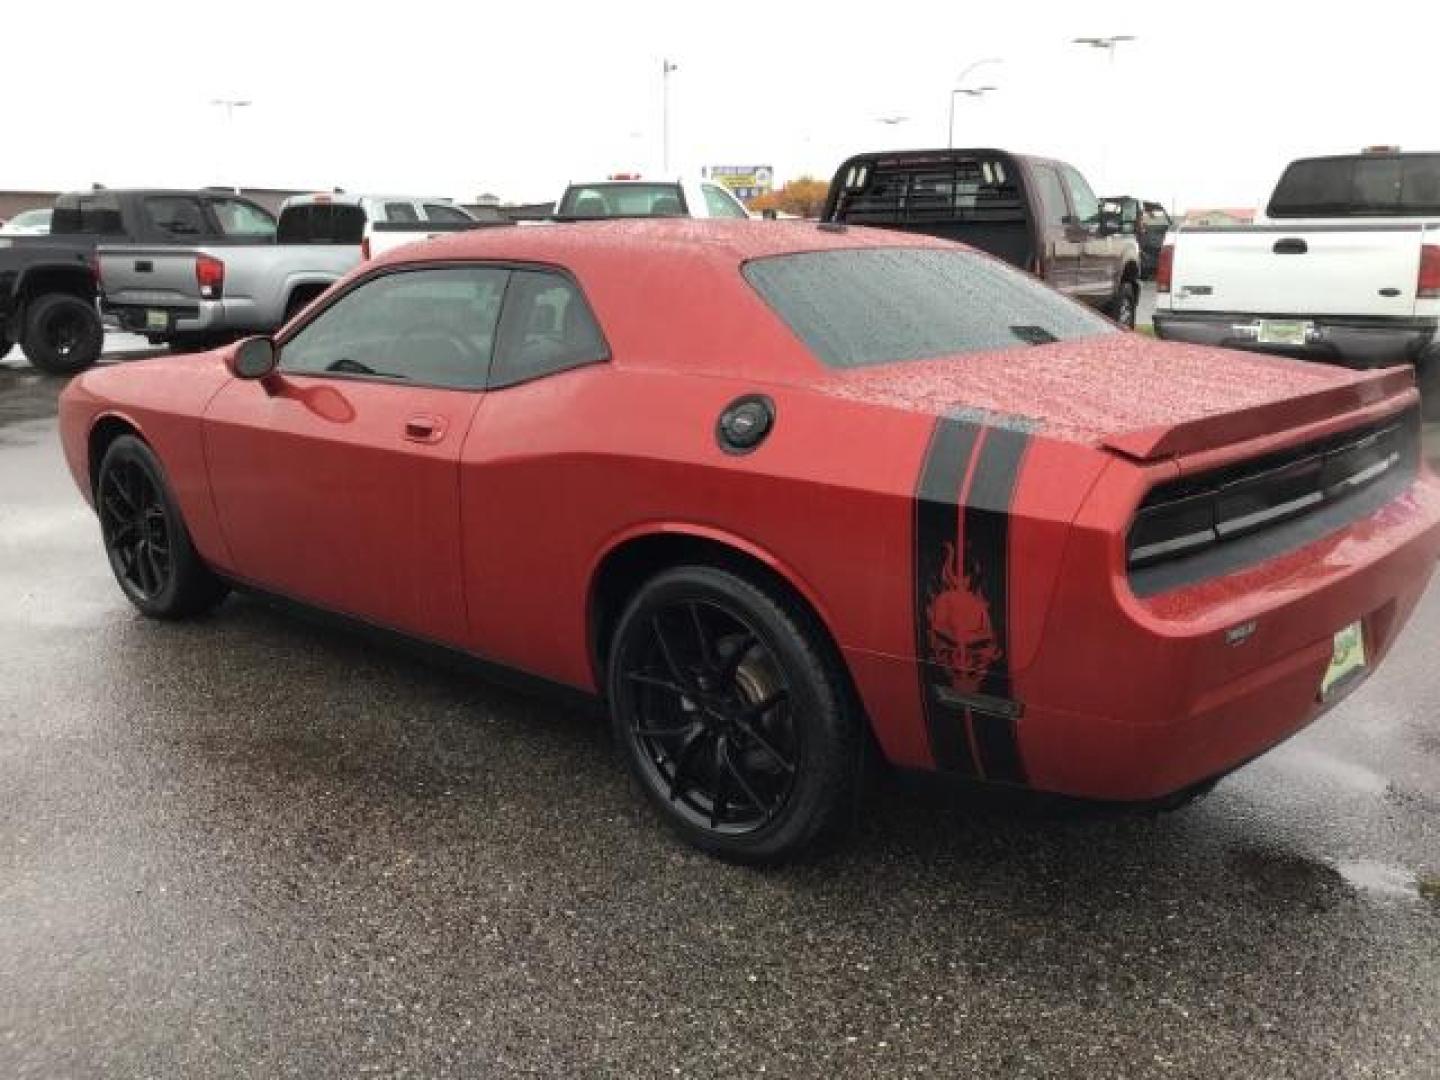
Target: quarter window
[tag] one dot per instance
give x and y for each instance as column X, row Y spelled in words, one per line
column 547, row 327
column 401, row 211
column 427, row 327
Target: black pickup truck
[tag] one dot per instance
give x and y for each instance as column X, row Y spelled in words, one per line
column 47, row 283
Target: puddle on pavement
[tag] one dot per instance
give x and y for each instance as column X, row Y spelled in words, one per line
column 1299, row 878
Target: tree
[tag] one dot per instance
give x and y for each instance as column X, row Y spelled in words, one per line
column 803, row 197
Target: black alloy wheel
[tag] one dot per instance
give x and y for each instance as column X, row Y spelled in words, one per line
column 136, row 529
column 63, row 334
column 731, row 718
column 145, row 538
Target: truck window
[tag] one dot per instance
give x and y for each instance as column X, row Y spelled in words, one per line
column 917, row 192
column 87, row 215
column 402, row 212
column 1052, row 197
column 240, row 218
column 1087, row 207
column 442, row 212
column 175, row 215
column 321, row 223
column 1380, row 185
column 622, row 200
column 882, row 305
column 721, row 204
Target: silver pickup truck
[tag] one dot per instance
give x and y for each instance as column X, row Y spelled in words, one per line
column 195, row 294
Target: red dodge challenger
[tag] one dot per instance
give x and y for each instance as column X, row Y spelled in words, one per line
column 785, row 496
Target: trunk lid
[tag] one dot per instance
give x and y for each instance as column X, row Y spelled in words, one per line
column 1126, row 393
column 1295, row 270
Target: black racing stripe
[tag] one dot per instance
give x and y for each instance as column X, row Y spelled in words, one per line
column 952, row 444
column 986, row 559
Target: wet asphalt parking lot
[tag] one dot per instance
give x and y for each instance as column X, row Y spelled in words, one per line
column 249, row 846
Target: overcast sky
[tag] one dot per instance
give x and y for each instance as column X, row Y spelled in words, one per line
column 515, row 99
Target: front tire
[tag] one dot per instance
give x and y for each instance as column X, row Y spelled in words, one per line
column 150, row 552
column 733, row 715
column 1126, row 304
column 63, row 334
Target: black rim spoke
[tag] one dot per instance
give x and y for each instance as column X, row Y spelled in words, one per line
column 136, row 530
column 705, row 696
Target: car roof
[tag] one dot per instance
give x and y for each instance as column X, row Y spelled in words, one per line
column 668, row 292
column 628, row 240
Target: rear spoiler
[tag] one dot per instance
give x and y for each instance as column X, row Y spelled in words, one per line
column 1226, row 428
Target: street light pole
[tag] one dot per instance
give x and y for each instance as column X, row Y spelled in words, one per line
column 1108, row 44
column 960, row 89
column 230, row 104
column 666, row 67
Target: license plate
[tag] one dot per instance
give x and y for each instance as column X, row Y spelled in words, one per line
column 1347, row 659
column 157, row 320
column 1282, row 332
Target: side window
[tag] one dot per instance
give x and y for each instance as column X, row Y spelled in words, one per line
column 441, row 212
column 430, row 327
column 88, row 215
column 1052, row 197
column 1087, row 207
column 175, row 215
column 239, row 218
column 721, row 203
column 547, row 327
column 1129, row 212
column 401, row 211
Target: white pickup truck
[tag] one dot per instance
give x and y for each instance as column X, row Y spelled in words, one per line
column 181, row 295
column 1343, row 267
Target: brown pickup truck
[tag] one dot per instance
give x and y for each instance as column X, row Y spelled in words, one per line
column 1034, row 213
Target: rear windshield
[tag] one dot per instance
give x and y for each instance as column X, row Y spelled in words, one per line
column 980, row 189
column 90, row 215
column 881, row 305
column 1363, row 186
column 321, row 223
column 623, row 200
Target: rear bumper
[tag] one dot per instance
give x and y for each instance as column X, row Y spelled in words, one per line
column 197, row 317
column 1348, row 340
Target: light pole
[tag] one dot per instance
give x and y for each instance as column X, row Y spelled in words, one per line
column 230, row 104
column 960, row 88
column 666, row 67
column 1108, row 44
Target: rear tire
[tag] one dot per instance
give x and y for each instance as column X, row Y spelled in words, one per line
column 150, row 551
column 734, row 716
column 63, row 334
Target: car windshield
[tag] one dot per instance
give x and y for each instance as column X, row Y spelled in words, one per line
column 623, row 200
column 883, row 305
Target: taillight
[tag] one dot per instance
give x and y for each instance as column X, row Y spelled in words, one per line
column 210, row 276
column 1427, row 284
column 364, row 248
column 1165, row 268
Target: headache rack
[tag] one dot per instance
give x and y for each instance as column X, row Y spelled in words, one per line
column 979, row 189
column 1198, row 528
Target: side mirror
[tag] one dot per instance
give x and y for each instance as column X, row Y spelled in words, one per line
column 253, row 358
column 1109, row 224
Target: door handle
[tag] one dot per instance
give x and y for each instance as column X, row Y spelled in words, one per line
column 424, row 428
column 1290, row 246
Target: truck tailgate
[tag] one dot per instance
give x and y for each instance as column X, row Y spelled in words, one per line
column 149, row 277
column 1277, row 270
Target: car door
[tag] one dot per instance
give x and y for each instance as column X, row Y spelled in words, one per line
column 1096, row 266
column 336, row 480
column 1060, row 245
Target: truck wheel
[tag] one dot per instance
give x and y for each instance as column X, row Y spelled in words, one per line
column 63, row 334
column 1126, row 303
